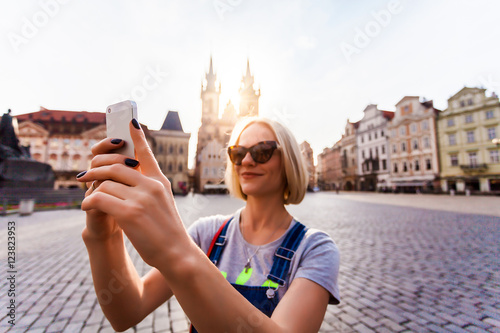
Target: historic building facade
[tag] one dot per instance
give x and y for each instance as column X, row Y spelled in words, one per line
column 214, row 132
column 373, row 155
column 413, row 146
column 349, row 158
column 466, row 130
column 171, row 151
column 62, row 139
column 330, row 168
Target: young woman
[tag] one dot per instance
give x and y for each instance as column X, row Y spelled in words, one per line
column 265, row 271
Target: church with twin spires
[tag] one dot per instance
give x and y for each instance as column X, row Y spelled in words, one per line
column 215, row 131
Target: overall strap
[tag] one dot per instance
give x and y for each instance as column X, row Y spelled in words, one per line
column 285, row 252
column 218, row 242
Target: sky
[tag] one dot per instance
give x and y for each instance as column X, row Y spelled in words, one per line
column 317, row 63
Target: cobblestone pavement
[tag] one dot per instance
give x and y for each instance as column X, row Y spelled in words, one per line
column 403, row 269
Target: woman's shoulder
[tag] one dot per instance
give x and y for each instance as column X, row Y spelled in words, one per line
column 203, row 230
column 318, row 241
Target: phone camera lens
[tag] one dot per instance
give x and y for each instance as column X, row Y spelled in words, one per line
column 109, row 110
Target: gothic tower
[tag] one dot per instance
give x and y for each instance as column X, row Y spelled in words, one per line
column 249, row 98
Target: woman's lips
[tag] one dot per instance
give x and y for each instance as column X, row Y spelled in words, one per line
column 250, row 175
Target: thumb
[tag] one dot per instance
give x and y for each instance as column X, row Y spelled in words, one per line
column 143, row 152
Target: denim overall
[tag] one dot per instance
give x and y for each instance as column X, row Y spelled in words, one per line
column 263, row 298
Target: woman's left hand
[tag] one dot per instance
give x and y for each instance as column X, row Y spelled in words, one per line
column 141, row 202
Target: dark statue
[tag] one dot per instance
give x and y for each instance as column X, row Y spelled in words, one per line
column 17, row 168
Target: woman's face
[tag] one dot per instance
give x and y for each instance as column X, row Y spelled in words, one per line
column 259, row 179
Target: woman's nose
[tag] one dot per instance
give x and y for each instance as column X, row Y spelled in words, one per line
column 247, row 159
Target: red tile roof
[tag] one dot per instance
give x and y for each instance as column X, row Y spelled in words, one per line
column 388, row 114
column 45, row 115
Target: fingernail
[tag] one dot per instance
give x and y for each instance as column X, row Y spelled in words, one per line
column 131, row 163
column 136, row 123
column 81, row 174
column 116, row 141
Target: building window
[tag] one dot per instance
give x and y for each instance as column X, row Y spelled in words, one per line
column 384, row 164
column 363, row 154
column 473, row 159
column 375, row 135
column 428, row 164
column 382, row 134
column 417, row 165
column 427, row 143
column 470, row 137
column 180, row 167
column 54, row 143
column 402, row 130
column 403, row 146
column 454, row 160
column 489, row 114
column 394, row 148
column 181, row 150
column 452, row 139
column 393, row 133
column 376, row 151
column 425, row 124
column 405, row 167
column 353, row 162
column 170, row 167
column 413, row 128
column 383, row 149
column 362, row 139
column 77, row 143
column 462, row 103
column 492, row 133
column 469, row 101
column 415, row 144
column 451, row 122
column 171, row 149
column 468, row 119
column 494, row 156
column 369, row 137
column 395, row 168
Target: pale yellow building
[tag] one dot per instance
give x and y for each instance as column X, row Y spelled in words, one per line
column 469, row 158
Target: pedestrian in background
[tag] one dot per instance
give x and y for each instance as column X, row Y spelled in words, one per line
column 256, row 270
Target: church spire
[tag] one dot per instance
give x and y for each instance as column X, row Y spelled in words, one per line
column 211, row 77
column 247, row 80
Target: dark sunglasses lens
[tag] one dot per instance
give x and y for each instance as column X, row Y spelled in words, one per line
column 262, row 152
column 237, row 154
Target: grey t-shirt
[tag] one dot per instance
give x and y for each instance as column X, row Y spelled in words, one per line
column 316, row 259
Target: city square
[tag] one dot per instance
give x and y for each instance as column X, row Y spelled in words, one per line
column 409, row 263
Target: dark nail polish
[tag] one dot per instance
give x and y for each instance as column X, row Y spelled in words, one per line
column 131, row 163
column 81, row 174
column 136, row 123
column 116, row 141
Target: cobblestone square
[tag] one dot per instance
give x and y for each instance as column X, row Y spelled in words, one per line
column 404, row 267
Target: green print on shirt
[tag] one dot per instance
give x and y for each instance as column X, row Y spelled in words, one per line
column 245, row 276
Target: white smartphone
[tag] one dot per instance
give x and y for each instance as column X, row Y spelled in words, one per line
column 118, row 117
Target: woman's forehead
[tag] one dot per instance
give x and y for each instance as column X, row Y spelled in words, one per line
column 255, row 133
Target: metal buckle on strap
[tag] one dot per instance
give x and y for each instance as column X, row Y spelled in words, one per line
column 283, row 257
column 281, row 282
column 223, row 243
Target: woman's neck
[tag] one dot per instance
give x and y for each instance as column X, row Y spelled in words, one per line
column 262, row 217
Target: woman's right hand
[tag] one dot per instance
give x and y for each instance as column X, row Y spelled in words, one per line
column 101, row 226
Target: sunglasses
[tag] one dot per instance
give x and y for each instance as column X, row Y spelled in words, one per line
column 261, row 152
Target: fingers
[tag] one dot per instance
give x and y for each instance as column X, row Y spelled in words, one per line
column 108, row 159
column 149, row 165
column 106, row 146
column 116, row 172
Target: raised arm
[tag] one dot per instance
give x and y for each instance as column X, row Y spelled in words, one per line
column 124, row 297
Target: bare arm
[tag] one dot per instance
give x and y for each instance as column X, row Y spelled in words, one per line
column 124, row 297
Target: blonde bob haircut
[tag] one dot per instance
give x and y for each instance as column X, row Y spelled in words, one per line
column 293, row 164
